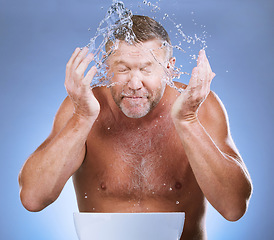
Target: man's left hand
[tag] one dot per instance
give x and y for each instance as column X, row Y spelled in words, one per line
column 187, row 104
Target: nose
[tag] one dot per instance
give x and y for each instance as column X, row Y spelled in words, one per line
column 135, row 82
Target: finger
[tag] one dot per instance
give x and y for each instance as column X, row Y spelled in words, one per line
column 205, row 66
column 89, row 76
column 205, row 59
column 74, row 55
column 194, row 77
column 201, row 56
column 71, row 60
column 80, row 57
column 84, row 64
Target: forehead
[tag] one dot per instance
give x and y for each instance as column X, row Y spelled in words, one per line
column 145, row 51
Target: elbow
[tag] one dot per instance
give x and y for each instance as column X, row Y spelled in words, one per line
column 234, row 215
column 31, row 199
column 236, row 211
column 30, row 202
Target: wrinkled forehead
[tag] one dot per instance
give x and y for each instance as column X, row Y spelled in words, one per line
column 148, row 51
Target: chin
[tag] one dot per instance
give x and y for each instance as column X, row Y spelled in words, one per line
column 130, row 113
column 135, row 115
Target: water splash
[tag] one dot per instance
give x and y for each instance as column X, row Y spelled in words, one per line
column 186, row 43
column 118, row 18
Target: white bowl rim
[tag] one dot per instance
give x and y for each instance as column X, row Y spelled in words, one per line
column 128, row 213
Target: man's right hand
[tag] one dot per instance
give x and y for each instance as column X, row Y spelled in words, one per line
column 78, row 85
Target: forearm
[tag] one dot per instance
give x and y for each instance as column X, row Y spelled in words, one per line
column 222, row 179
column 45, row 173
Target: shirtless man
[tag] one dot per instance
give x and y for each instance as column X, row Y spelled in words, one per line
column 140, row 145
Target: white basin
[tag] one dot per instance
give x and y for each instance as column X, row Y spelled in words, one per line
column 129, row 226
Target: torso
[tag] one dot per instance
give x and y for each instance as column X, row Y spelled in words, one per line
column 139, row 168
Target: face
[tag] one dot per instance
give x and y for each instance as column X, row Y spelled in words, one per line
column 138, row 72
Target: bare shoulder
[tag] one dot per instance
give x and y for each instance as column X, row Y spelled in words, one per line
column 212, row 111
column 212, row 106
column 213, row 116
column 179, row 85
column 63, row 114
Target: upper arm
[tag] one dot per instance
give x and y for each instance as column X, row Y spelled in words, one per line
column 214, row 118
column 63, row 114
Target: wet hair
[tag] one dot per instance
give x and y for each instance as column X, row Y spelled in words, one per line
column 143, row 29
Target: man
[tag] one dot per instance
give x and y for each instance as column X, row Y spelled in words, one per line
column 140, row 145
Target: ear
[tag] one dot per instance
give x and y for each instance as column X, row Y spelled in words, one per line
column 171, row 63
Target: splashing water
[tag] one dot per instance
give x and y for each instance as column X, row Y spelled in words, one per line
column 118, row 21
column 118, row 18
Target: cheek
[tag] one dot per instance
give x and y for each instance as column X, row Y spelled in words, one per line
column 155, row 84
column 119, row 78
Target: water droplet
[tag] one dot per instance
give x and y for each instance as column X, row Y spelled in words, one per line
column 170, row 189
column 177, row 202
column 119, row 16
column 165, row 16
column 108, row 128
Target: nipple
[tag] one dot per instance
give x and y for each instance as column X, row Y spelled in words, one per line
column 178, row 185
column 103, row 186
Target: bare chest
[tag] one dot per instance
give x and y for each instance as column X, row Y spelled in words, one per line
column 137, row 163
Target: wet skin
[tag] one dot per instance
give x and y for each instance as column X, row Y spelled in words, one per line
column 139, row 167
column 137, row 163
column 140, row 146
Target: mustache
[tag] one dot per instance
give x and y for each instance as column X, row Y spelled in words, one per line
column 132, row 94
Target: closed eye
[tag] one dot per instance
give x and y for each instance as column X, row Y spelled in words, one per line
column 122, row 69
column 146, row 69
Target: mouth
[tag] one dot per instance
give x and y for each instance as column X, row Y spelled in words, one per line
column 134, row 97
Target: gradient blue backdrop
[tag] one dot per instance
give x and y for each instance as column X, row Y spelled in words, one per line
column 38, row 37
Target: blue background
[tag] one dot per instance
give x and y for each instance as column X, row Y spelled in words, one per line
column 37, row 39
